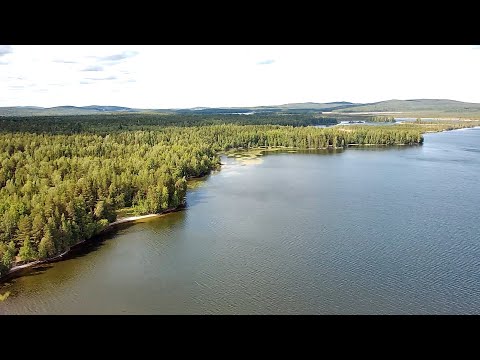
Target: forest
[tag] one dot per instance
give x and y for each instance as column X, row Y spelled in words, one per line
column 64, row 184
column 108, row 123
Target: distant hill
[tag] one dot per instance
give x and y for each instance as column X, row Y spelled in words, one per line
column 416, row 107
column 310, row 105
column 21, row 111
column 285, row 108
column 105, row 108
column 58, row 110
column 434, row 106
column 96, row 109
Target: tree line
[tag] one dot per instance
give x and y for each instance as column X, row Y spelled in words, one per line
column 108, row 123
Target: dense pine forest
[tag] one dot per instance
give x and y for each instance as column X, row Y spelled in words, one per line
column 63, row 179
column 106, row 124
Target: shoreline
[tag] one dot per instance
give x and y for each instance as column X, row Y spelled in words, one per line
column 109, row 227
column 446, row 130
column 131, row 218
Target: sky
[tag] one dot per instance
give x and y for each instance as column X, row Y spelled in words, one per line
column 179, row 76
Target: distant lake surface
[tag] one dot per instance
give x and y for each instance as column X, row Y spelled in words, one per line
column 361, row 231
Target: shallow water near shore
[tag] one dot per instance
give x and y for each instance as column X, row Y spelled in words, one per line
column 360, row 231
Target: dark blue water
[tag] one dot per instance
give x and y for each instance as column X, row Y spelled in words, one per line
column 361, row 231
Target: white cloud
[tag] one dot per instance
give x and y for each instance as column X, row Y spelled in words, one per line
column 190, row 76
column 64, row 61
column 93, row 68
column 5, row 50
column 266, row 62
column 118, row 57
column 102, row 78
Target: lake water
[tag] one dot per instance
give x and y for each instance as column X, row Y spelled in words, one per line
column 361, row 231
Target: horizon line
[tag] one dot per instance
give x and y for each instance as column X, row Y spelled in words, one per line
column 231, row 107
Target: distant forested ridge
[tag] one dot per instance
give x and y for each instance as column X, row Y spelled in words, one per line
column 412, row 107
column 424, row 107
column 105, row 123
column 62, row 184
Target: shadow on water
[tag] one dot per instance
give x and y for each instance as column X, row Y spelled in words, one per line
column 85, row 248
column 330, row 152
column 383, row 148
column 304, row 151
column 36, row 270
column 77, row 251
column 197, row 198
column 25, row 273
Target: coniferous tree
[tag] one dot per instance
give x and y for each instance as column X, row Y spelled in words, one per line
column 26, row 252
column 46, row 248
